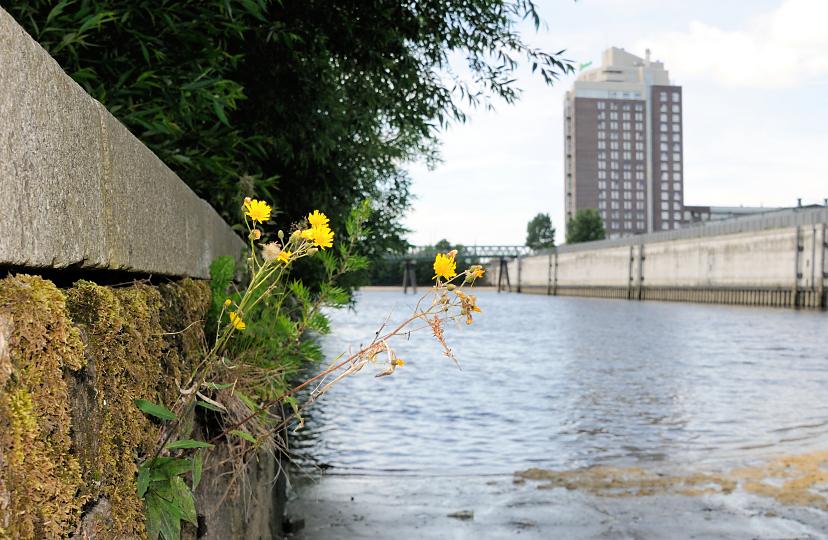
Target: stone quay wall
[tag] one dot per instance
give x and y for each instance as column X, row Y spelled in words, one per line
column 774, row 259
column 83, row 198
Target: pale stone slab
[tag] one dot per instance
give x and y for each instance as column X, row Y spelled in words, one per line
column 78, row 189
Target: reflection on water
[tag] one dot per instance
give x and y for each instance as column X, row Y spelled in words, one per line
column 569, row 383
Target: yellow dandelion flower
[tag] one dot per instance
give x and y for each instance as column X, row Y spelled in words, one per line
column 257, row 210
column 444, row 266
column 317, row 219
column 284, row 256
column 476, row 272
column 322, row 236
column 237, row 321
column 227, row 302
column 307, row 234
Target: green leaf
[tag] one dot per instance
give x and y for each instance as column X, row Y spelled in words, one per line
column 244, row 435
column 159, row 411
column 143, row 480
column 247, row 401
column 219, row 110
column 187, row 443
column 198, row 465
column 210, row 406
column 165, row 468
column 163, row 515
column 184, row 501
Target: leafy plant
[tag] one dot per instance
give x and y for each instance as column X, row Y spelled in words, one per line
column 319, row 103
column 586, row 226
column 168, row 500
column 540, row 234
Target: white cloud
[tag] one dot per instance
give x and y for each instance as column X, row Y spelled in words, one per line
column 780, row 49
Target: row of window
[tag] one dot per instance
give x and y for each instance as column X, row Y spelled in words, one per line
column 602, row 184
column 665, row 196
column 626, row 135
column 626, row 126
column 666, row 216
column 615, row 205
column 626, row 145
column 665, row 137
column 639, row 117
column 601, row 105
column 663, row 128
column 675, row 96
column 666, row 108
column 626, row 174
column 664, row 118
column 625, row 155
column 627, row 195
column 666, row 187
column 666, row 157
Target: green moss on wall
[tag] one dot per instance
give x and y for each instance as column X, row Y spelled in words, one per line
column 70, row 367
column 40, row 478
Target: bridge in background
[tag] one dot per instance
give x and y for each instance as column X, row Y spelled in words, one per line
column 503, row 253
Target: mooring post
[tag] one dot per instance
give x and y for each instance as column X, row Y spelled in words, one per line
column 409, row 276
column 518, row 273
column 503, row 270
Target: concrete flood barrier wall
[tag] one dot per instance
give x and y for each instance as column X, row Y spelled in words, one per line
column 774, row 259
column 80, row 193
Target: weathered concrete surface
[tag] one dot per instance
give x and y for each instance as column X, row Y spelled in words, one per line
column 780, row 259
column 79, row 190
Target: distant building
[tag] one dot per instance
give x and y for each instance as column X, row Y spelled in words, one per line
column 623, row 145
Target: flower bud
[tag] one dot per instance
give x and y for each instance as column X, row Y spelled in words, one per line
column 255, row 234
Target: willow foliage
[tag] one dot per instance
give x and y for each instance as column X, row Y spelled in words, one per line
column 308, row 103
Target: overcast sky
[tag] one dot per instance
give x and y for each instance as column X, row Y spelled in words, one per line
column 755, row 80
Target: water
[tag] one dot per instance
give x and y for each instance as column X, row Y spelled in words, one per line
column 564, row 384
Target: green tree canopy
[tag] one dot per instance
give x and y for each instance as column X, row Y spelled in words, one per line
column 310, row 104
column 540, row 234
column 586, row 226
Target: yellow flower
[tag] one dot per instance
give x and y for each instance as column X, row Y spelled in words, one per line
column 307, row 234
column 317, row 219
column 444, row 266
column 257, row 210
column 322, row 236
column 284, row 256
column 476, row 272
column 237, row 321
column 227, row 302
column 398, row 362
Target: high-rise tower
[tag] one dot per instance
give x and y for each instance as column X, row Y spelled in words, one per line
column 623, row 145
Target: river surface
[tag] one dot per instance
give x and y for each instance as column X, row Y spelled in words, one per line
column 574, row 418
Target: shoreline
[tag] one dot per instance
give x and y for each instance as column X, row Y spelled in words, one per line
column 382, row 288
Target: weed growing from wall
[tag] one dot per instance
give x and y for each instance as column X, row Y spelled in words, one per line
column 259, row 340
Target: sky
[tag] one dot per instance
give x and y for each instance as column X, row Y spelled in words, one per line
column 755, row 82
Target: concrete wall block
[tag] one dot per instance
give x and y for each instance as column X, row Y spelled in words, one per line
column 50, row 160
column 599, row 268
column 80, row 189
